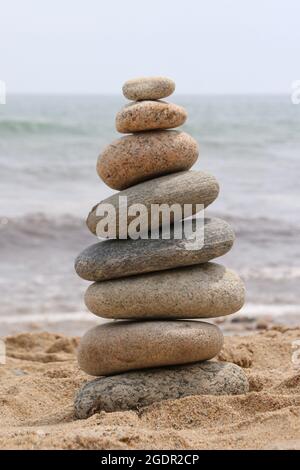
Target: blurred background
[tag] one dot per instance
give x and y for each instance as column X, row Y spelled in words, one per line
column 64, row 63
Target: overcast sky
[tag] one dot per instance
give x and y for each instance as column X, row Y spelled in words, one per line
column 93, row 46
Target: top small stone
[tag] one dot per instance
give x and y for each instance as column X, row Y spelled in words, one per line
column 148, row 88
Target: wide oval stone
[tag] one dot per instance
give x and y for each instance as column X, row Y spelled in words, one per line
column 111, row 259
column 120, row 346
column 187, row 187
column 148, row 88
column 205, row 291
column 140, row 157
column 149, row 115
column 132, row 390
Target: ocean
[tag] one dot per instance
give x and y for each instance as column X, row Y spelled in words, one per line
column 48, row 151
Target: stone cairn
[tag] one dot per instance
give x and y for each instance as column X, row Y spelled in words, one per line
column 155, row 286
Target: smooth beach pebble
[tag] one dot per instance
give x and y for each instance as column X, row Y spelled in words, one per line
column 112, row 259
column 187, row 187
column 136, row 158
column 149, row 115
column 205, row 291
column 148, row 88
column 120, row 346
column 132, row 390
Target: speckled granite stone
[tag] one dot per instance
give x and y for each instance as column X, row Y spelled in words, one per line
column 148, row 88
column 205, row 291
column 111, row 259
column 149, row 115
column 133, row 390
column 146, row 155
column 116, row 347
column 186, row 187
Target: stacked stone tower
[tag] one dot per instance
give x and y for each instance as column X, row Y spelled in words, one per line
column 157, row 288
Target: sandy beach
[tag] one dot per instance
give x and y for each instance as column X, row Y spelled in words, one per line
column 41, row 377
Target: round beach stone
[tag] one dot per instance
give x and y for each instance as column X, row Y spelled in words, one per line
column 120, row 346
column 149, row 115
column 148, row 88
column 132, row 390
column 136, row 158
column 204, row 291
column 111, row 259
column 187, row 187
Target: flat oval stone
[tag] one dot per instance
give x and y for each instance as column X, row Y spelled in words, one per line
column 116, row 347
column 187, row 187
column 205, row 291
column 149, row 115
column 140, row 157
column 148, row 88
column 111, row 259
column 133, row 390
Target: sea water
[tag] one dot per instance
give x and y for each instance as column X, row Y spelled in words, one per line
column 48, row 182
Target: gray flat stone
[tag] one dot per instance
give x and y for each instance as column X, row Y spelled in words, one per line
column 134, row 390
column 111, row 259
column 203, row 291
column 116, row 347
column 186, row 187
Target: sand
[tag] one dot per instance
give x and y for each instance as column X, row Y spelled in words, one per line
column 41, row 376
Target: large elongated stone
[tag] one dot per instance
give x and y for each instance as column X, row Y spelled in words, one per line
column 111, row 259
column 187, row 187
column 148, row 88
column 149, row 115
column 204, row 291
column 134, row 390
column 147, row 155
column 116, row 347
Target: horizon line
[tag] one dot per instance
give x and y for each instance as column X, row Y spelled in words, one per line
column 87, row 93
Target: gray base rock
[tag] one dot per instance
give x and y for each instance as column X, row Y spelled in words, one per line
column 133, row 390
